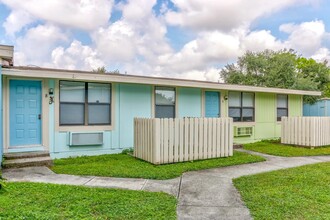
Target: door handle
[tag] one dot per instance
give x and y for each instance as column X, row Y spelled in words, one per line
column 39, row 116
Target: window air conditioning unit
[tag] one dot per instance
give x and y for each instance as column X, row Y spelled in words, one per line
column 243, row 131
column 85, row 138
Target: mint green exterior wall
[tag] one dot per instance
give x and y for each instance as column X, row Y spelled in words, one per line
column 266, row 125
column 295, row 105
column 189, row 102
column 131, row 100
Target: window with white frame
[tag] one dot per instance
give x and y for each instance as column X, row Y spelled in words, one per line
column 241, row 106
column 83, row 103
column 282, row 106
column 164, row 102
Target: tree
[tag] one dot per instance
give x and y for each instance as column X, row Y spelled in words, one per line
column 103, row 70
column 280, row 69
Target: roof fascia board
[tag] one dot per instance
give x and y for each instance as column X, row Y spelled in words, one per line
column 53, row 74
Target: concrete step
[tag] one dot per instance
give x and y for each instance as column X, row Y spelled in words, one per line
column 27, row 162
column 31, row 154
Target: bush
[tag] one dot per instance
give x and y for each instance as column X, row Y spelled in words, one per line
column 128, row 151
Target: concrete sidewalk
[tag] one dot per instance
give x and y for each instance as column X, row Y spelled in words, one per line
column 205, row 194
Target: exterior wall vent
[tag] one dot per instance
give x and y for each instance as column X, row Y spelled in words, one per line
column 86, row 138
column 243, row 131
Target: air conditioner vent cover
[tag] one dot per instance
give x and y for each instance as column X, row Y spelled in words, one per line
column 84, row 139
column 243, row 131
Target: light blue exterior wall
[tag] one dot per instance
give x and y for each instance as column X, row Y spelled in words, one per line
column 131, row 100
column 320, row 108
column 134, row 101
column 189, row 102
column 1, row 131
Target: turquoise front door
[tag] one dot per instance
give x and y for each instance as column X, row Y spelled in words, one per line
column 212, row 104
column 25, row 113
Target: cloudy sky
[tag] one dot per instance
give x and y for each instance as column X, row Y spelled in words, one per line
column 174, row 38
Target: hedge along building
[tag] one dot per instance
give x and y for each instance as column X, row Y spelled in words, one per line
column 70, row 113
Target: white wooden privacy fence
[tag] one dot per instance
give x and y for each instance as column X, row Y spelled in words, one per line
column 306, row 131
column 162, row 141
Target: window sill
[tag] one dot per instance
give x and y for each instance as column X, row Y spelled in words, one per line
column 85, row 128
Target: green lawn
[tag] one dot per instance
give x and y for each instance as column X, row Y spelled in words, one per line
column 296, row 193
column 123, row 165
column 278, row 149
column 48, row 201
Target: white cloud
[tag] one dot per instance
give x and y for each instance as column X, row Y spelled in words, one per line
column 224, row 15
column 305, row 37
column 16, row 20
column 209, row 74
column 259, row 41
column 34, row 48
column 137, row 42
column 81, row 14
column 322, row 54
column 208, row 48
column 77, row 56
column 117, row 43
column 139, row 34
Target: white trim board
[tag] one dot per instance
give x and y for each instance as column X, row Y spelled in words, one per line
column 120, row 78
column 44, row 113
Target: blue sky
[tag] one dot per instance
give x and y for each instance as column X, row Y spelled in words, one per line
column 175, row 38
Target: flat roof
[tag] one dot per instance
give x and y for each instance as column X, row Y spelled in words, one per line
column 47, row 73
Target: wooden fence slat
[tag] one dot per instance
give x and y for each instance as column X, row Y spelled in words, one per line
column 223, row 137
column 205, row 144
column 226, row 126
column 230, row 134
column 191, row 139
column 214, row 137
column 176, row 141
column 181, row 140
column 170, row 141
column 218, row 137
column 196, row 142
column 201, row 138
column 186, row 139
column 161, row 150
column 209, row 138
column 306, row 131
column 162, row 141
column 166, row 140
column 156, row 141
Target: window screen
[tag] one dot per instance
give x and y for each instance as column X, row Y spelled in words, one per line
column 99, row 103
column 241, row 106
column 164, row 102
column 282, row 106
column 72, row 103
column 83, row 103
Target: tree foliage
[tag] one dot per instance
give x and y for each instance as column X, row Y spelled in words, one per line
column 103, row 70
column 280, row 69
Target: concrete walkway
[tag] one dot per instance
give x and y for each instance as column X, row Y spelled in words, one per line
column 206, row 194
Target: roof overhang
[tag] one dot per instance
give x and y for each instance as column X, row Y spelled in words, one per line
column 120, row 78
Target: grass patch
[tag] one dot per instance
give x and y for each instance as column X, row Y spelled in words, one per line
column 123, row 165
column 296, row 193
column 278, row 149
column 48, row 201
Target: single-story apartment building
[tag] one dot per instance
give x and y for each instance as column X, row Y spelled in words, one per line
column 71, row 113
